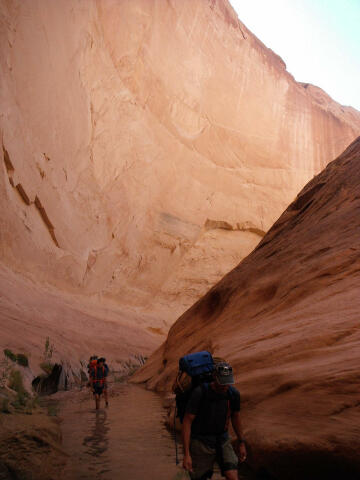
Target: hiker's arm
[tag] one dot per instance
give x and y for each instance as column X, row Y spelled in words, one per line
column 185, row 434
column 236, row 423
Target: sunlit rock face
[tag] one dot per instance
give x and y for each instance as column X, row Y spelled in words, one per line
column 287, row 318
column 147, row 146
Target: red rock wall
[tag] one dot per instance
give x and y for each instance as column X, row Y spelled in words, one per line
column 287, row 318
column 137, row 125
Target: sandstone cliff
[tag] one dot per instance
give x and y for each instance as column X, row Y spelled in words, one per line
column 287, row 318
column 147, row 146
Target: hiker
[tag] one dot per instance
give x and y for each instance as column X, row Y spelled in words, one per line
column 98, row 376
column 90, row 366
column 105, row 382
column 92, row 363
column 205, row 427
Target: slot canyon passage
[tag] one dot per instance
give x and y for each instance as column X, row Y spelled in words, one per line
column 149, row 148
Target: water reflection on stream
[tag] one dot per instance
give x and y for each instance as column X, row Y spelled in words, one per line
column 126, row 441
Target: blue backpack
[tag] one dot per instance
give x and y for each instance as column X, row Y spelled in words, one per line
column 196, row 369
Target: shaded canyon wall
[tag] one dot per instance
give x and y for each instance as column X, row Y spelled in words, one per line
column 287, row 318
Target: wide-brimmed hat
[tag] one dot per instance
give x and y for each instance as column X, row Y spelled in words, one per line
column 223, row 373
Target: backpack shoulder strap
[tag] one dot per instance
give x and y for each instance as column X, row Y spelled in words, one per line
column 231, row 394
column 93, row 374
column 231, row 391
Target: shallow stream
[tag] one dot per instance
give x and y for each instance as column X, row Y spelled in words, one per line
column 128, row 440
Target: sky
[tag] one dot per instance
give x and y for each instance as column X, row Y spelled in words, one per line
column 319, row 40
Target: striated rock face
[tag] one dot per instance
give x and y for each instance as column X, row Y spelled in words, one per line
column 29, row 313
column 287, row 318
column 147, row 146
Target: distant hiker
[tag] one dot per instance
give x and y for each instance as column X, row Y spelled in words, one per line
column 98, row 376
column 205, row 427
column 105, row 383
column 92, row 363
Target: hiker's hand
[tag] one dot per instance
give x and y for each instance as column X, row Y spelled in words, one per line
column 187, row 463
column 242, row 452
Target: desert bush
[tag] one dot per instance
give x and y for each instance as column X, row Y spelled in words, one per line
column 19, row 358
column 16, row 383
column 9, row 354
column 4, row 372
column 48, row 350
column 46, row 367
column 22, row 360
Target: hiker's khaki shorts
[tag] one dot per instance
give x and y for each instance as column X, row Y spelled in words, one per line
column 204, row 457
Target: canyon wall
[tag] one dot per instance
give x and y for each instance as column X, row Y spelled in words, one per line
column 287, row 318
column 147, row 146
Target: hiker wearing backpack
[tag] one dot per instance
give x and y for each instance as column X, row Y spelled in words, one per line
column 98, row 376
column 90, row 366
column 205, row 436
column 92, row 363
column 105, row 383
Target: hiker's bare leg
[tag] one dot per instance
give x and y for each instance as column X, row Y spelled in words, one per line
column 97, row 402
column 106, row 397
column 231, row 475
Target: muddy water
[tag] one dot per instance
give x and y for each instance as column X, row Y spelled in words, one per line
column 128, row 440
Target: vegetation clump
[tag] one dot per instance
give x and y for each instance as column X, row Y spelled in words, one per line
column 16, row 384
column 47, row 365
column 19, row 358
column 13, row 395
column 22, row 360
column 9, row 354
column 5, row 369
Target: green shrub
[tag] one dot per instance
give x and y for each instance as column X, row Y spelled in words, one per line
column 48, row 350
column 9, row 354
column 16, row 383
column 22, row 360
column 5, row 369
column 47, row 367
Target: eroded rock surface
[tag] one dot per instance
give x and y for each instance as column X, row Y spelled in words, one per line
column 30, row 447
column 287, row 318
column 31, row 312
column 148, row 145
